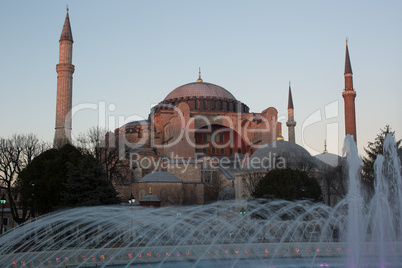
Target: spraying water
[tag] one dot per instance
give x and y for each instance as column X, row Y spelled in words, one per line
column 354, row 200
column 236, row 233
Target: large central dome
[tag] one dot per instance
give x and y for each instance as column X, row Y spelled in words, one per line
column 202, row 97
column 200, row 89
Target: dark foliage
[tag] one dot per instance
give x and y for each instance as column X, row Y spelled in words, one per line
column 372, row 150
column 49, row 170
column 61, row 176
column 101, row 145
column 16, row 153
column 87, row 185
column 288, row 184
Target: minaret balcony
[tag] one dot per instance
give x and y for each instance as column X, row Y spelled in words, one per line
column 65, row 67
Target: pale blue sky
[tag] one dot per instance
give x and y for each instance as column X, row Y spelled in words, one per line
column 133, row 53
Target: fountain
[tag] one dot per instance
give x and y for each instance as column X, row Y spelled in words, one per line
column 238, row 233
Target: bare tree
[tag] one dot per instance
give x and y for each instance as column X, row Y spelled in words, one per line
column 32, row 147
column 227, row 193
column 99, row 143
column 91, row 141
column 213, row 185
column 304, row 164
column 338, row 183
column 15, row 154
column 333, row 181
column 250, row 181
column 176, row 197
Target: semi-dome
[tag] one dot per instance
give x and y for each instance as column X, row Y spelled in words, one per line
column 281, row 152
column 137, row 123
column 200, row 89
column 330, row 159
column 150, row 198
column 159, row 176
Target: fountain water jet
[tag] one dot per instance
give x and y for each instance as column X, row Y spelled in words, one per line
column 276, row 233
column 354, row 200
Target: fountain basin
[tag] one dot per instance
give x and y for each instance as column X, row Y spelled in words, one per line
column 277, row 252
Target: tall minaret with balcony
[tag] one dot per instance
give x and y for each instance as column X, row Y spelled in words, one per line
column 65, row 70
column 291, row 123
column 349, row 96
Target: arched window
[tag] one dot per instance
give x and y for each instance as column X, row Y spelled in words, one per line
column 164, row 195
column 221, row 137
column 141, row 194
column 204, row 137
column 184, row 196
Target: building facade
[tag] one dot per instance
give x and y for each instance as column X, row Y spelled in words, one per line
column 199, row 132
column 197, row 142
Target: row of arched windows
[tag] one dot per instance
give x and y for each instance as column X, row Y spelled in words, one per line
column 218, row 105
column 209, row 104
column 219, row 151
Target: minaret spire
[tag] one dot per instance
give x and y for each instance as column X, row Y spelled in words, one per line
column 65, row 70
column 290, row 99
column 349, row 95
column 66, row 33
column 348, row 66
column 291, row 123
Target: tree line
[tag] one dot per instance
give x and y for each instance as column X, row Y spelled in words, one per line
column 38, row 179
column 298, row 184
column 90, row 172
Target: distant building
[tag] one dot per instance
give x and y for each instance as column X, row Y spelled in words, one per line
column 189, row 134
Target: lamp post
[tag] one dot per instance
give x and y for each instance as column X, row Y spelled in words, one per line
column 2, row 201
column 33, row 183
column 131, row 200
column 303, row 192
column 242, row 211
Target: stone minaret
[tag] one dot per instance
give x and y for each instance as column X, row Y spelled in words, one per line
column 349, row 96
column 291, row 123
column 65, row 71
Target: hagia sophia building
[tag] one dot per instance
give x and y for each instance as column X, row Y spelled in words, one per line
column 200, row 143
